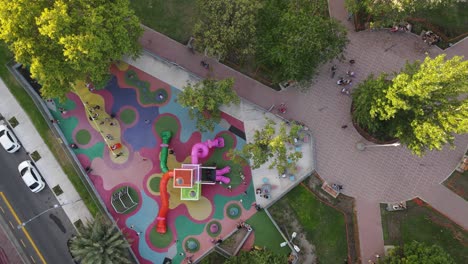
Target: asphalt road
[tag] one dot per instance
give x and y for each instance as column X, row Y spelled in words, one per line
column 50, row 231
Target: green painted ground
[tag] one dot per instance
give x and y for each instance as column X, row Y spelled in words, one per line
column 161, row 240
column 208, row 226
column 146, row 96
column 266, row 234
column 128, row 116
column 233, row 211
column 93, row 152
column 166, row 123
column 218, row 159
column 185, row 228
column 154, row 184
column 83, row 136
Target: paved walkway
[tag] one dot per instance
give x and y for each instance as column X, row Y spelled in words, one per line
column 48, row 165
column 371, row 176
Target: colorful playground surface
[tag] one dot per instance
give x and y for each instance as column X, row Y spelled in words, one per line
column 132, row 136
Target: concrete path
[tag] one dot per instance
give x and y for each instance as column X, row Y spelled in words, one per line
column 47, row 165
column 375, row 175
column 369, row 221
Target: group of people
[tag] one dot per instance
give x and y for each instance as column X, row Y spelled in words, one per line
column 430, row 38
column 344, row 81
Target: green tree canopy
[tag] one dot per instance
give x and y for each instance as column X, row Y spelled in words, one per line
column 296, row 37
column 227, row 26
column 204, row 99
column 99, row 242
column 64, row 41
column 270, row 144
column 257, row 257
column 389, row 12
column 417, row 253
column 425, row 104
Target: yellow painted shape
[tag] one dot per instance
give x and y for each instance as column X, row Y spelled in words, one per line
column 122, row 66
column 102, row 123
column 26, row 233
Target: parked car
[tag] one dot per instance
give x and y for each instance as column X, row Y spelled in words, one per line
column 8, row 140
column 31, row 176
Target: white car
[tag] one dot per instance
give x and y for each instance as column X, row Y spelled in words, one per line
column 8, row 140
column 31, row 176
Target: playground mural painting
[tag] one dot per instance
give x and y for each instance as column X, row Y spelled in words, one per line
column 138, row 116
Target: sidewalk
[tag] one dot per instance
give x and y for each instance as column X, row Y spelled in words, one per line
column 51, row 171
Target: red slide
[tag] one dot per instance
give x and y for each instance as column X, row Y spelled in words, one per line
column 161, row 219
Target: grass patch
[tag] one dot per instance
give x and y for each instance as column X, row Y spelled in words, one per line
column 13, row 122
column 57, row 190
column 35, row 156
column 458, row 183
column 174, row 19
column 42, row 127
column 266, row 234
column 78, row 224
column 213, row 258
column 322, row 225
column 452, row 19
column 423, row 224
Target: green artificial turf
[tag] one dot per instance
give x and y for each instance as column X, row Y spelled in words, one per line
column 266, row 234
column 324, row 227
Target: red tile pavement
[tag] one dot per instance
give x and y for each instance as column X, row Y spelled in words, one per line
column 371, row 176
column 448, row 203
column 369, row 220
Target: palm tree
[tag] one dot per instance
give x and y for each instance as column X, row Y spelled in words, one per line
column 99, row 242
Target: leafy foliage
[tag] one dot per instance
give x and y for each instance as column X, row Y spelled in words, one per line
column 418, row 253
column 365, row 96
column 227, row 26
column 389, row 12
column 99, row 242
column 270, row 144
column 425, row 103
column 65, row 41
column 257, row 257
column 204, row 99
column 295, row 37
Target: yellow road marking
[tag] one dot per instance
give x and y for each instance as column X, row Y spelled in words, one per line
column 32, row 259
column 26, row 233
column 12, row 226
column 22, row 242
column 2, row 209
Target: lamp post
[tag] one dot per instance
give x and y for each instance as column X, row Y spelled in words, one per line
column 285, row 243
column 20, row 226
column 361, row 146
